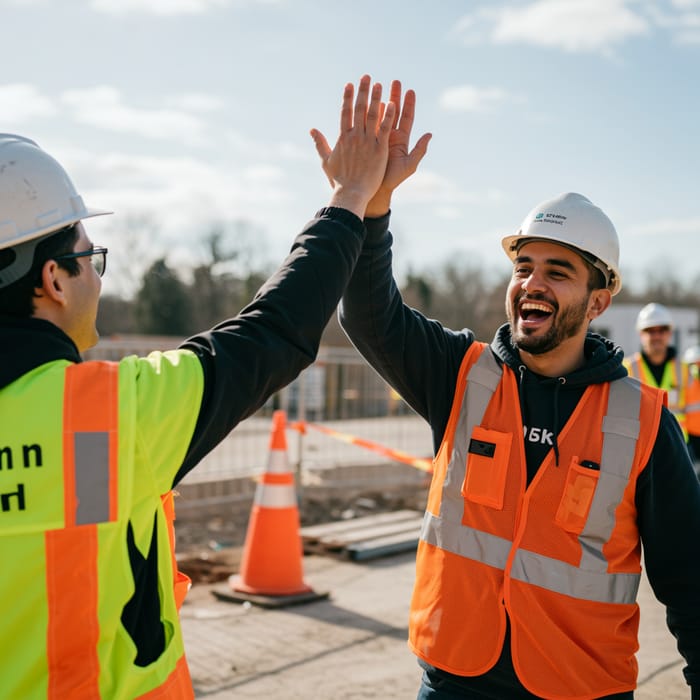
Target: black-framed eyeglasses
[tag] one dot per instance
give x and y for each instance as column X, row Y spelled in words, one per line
column 97, row 255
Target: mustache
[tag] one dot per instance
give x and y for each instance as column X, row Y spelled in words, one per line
column 524, row 296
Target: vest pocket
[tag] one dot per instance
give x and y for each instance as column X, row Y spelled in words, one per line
column 577, row 497
column 487, row 463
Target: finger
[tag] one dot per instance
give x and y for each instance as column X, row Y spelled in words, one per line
column 361, row 101
column 346, row 109
column 387, row 122
column 322, row 147
column 373, row 117
column 395, row 97
column 382, row 108
column 419, row 150
column 408, row 112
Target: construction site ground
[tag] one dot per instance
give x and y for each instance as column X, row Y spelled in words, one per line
column 350, row 643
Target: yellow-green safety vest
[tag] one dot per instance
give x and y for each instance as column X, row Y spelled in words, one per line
column 674, row 381
column 87, row 450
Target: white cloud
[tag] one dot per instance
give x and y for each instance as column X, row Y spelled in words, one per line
column 428, row 186
column 252, row 148
column 21, row 101
column 164, row 8
column 103, row 107
column 683, row 22
column 156, row 7
column 667, row 227
column 180, row 193
column 469, row 98
column 571, row 25
column 196, row 102
column 685, row 4
column 594, row 26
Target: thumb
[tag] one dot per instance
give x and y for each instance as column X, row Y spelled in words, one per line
column 419, row 150
column 322, row 147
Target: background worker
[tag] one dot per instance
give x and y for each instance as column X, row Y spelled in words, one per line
column 691, row 357
column 552, row 467
column 658, row 362
column 87, row 449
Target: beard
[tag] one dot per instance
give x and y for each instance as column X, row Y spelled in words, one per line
column 563, row 327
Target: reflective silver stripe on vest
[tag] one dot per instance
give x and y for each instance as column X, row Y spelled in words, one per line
column 482, row 380
column 635, row 367
column 636, row 371
column 589, row 580
column 692, row 407
column 466, row 541
column 620, row 432
column 91, row 477
column 560, row 577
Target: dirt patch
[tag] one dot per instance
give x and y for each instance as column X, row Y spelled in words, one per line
column 210, row 550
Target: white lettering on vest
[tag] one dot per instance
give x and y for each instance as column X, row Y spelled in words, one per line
column 541, row 435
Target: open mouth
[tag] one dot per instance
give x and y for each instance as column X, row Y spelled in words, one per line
column 534, row 311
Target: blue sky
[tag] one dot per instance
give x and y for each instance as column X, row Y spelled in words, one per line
column 184, row 114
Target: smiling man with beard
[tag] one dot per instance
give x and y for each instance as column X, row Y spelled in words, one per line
column 552, row 467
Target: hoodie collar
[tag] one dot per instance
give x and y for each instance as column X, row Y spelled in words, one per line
column 27, row 343
column 603, row 359
column 603, row 363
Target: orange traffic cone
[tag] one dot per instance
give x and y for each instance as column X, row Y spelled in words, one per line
column 271, row 566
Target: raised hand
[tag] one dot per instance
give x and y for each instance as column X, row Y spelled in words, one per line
column 357, row 164
column 402, row 163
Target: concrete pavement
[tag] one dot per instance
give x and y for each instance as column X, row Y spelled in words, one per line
column 352, row 646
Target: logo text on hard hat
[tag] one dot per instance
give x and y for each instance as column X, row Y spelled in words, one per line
column 558, row 219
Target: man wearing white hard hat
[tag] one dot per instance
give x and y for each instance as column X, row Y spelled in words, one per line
column 691, row 357
column 91, row 450
column 552, row 468
column 658, row 363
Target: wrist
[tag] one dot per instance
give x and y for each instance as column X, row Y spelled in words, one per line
column 353, row 200
column 379, row 205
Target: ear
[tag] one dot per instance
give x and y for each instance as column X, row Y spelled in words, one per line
column 598, row 302
column 52, row 288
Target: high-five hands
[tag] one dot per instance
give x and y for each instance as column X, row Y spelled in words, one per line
column 351, row 166
column 357, row 163
column 402, row 163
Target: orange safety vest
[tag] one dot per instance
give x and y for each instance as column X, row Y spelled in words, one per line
column 182, row 582
column 560, row 557
column 692, row 401
column 674, row 381
column 91, row 478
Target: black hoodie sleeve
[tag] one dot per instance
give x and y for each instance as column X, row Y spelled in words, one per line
column 668, row 506
column 247, row 358
column 417, row 356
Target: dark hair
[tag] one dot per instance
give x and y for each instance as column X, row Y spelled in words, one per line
column 17, row 299
column 596, row 278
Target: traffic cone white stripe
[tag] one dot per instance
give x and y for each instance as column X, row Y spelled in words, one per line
column 271, row 564
column 277, row 462
column 275, row 496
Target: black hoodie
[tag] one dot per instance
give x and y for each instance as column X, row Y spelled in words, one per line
column 420, row 359
column 244, row 359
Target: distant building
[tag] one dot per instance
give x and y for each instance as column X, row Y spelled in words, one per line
column 618, row 324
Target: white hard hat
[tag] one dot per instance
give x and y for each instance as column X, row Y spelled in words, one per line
column 653, row 315
column 37, row 198
column 692, row 355
column 574, row 221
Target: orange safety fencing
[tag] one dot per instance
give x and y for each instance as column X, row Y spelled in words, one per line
column 421, row 463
